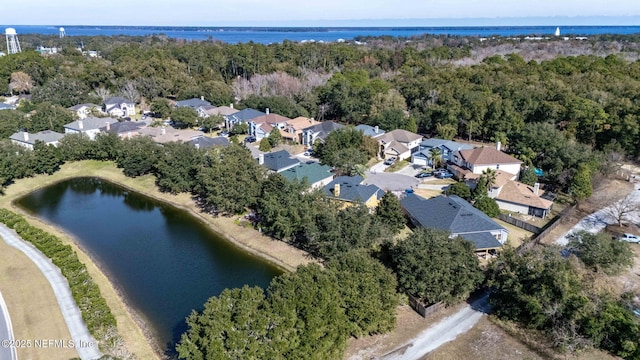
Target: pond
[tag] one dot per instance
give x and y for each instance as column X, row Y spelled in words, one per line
column 163, row 260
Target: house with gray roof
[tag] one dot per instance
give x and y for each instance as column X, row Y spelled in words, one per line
column 372, row 131
column 315, row 174
column 194, row 103
column 319, row 131
column 125, row 129
column 241, row 116
column 27, row 140
column 89, row 126
column 454, row 214
column 119, row 106
column 277, row 161
column 205, row 142
column 351, row 190
column 447, row 148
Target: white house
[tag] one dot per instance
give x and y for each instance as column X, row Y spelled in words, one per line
column 84, row 110
column 27, row 140
column 479, row 159
column 89, row 126
column 120, row 107
column 399, row 144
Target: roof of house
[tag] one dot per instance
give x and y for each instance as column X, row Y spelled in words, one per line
column 453, row 214
column 192, row 103
column 80, row 106
column 123, row 127
column 487, row 156
column 170, row 134
column 449, row 144
column 312, row 172
column 502, row 177
column 368, row 130
column 90, row 123
column 117, row 101
column 399, row 135
column 323, row 128
column 255, row 152
column 204, row 142
column 221, row 110
column 352, row 189
column 271, row 119
column 46, row 136
column 279, row 160
column 245, row 114
column 518, row 193
column 300, row 123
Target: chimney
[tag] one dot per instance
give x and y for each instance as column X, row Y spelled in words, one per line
column 231, row 105
column 108, row 126
column 202, row 98
column 261, row 159
column 336, row 190
column 80, row 124
column 267, row 111
column 536, row 188
column 311, row 121
column 26, row 136
column 376, row 129
column 163, row 131
column 498, row 145
column 197, row 145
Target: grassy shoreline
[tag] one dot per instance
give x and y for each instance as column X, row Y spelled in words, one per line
column 131, row 326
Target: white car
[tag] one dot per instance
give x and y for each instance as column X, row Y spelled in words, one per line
column 630, row 238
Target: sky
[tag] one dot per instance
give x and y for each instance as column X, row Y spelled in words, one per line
column 316, row 12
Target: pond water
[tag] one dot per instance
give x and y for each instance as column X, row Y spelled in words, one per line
column 165, row 261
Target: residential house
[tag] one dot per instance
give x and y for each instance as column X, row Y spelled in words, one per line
column 315, row 174
column 119, row 107
column 446, row 147
column 372, row 131
column 162, row 135
column 350, row 189
column 205, row 142
column 89, row 126
column 84, row 110
column 318, row 132
column 277, row 161
column 260, row 127
column 514, row 196
column 194, row 103
column 295, row 127
column 27, row 140
column 480, row 159
column 125, row 129
column 241, row 116
column 454, row 214
column 399, row 144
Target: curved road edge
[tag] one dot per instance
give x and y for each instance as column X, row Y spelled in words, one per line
column 85, row 345
column 6, row 332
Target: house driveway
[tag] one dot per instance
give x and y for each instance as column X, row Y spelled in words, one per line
column 391, row 181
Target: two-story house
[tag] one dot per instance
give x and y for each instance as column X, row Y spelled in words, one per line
column 399, row 144
column 27, row 140
column 119, row 107
column 318, row 132
column 84, row 110
column 447, row 148
column 89, row 126
column 479, row 159
column 241, row 116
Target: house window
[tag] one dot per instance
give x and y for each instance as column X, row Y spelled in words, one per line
column 497, row 166
column 499, row 236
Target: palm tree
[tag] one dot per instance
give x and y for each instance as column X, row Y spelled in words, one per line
column 490, row 176
column 436, row 157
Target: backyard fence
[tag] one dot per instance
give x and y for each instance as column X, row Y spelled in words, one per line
column 520, row 223
column 423, row 310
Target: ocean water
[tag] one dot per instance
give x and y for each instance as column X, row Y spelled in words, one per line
column 268, row 35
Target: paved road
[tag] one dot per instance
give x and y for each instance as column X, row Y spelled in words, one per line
column 6, row 332
column 70, row 311
column 600, row 219
column 444, row 331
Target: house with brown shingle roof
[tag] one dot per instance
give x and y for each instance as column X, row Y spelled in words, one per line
column 399, row 144
column 479, row 159
column 261, row 126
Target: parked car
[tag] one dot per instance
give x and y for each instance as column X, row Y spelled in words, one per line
column 224, row 133
column 250, row 139
column 390, row 161
column 630, row 238
column 308, row 153
column 424, row 175
column 444, row 175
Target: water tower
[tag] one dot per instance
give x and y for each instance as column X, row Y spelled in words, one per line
column 13, row 45
column 62, row 33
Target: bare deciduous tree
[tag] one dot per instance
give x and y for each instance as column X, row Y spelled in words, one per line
column 622, row 209
column 101, row 93
column 20, row 82
column 130, row 92
column 278, row 84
